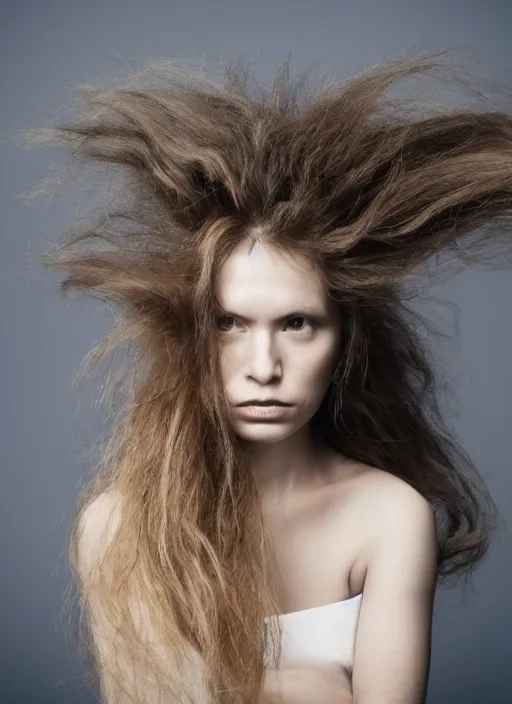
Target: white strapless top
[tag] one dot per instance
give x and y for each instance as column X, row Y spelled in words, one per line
column 321, row 635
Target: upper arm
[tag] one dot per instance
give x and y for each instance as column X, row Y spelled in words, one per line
column 97, row 527
column 392, row 652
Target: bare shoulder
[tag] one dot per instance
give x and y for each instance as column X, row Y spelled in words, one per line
column 377, row 491
column 400, row 517
column 386, row 512
column 384, row 492
column 392, row 506
column 97, row 525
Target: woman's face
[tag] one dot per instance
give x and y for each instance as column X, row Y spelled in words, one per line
column 278, row 335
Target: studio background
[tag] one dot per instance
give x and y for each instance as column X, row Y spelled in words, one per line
column 48, row 47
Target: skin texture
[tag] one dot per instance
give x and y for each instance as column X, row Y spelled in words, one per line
column 271, row 349
column 278, row 334
column 393, row 640
column 306, row 685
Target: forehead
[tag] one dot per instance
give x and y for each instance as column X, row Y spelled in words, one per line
column 262, row 276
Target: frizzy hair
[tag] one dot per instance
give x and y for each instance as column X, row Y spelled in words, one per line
column 367, row 187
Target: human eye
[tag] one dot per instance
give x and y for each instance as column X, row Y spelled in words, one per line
column 304, row 323
column 225, row 323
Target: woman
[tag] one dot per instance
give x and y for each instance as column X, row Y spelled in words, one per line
column 261, row 249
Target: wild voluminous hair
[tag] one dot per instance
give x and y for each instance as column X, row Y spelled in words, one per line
column 367, row 187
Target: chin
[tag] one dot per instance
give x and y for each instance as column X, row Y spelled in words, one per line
column 264, row 432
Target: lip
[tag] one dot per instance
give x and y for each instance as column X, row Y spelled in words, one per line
column 264, row 413
column 270, row 402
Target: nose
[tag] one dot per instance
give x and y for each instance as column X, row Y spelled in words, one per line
column 264, row 360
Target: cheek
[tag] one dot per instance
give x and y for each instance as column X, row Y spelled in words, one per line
column 317, row 369
column 319, row 376
column 229, row 362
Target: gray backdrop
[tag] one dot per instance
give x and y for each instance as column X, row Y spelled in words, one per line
column 46, row 48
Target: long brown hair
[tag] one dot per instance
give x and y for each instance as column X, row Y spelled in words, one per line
column 369, row 188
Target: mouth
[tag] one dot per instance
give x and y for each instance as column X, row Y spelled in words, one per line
column 264, row 412
column 263, row 403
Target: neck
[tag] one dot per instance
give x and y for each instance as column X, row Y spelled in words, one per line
column 286, row 468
